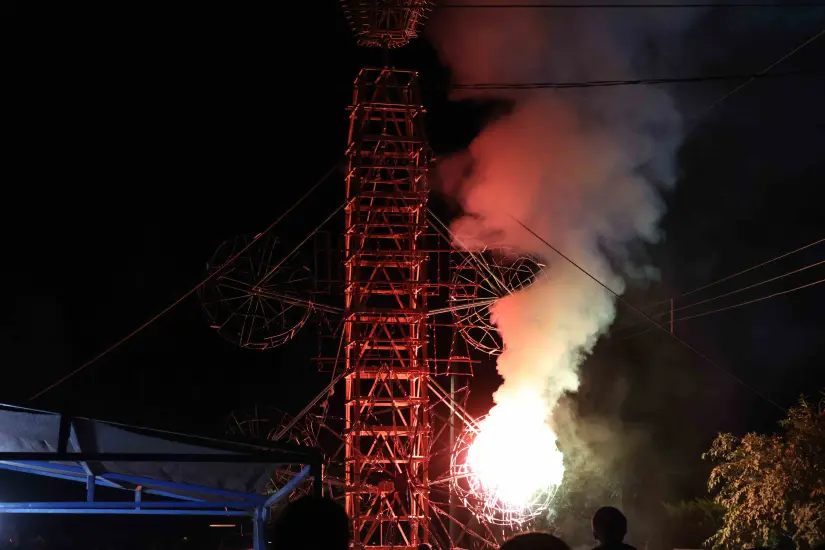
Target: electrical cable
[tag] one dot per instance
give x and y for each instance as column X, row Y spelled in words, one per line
column 646, row 316
column 761, row 74
column 734, row 306
column 647, row 81
column 751, row 301
column 298, row 246
column 697, row 122
column 738, row 273
column 737, row 291
column 187, row 293
column 694, row 5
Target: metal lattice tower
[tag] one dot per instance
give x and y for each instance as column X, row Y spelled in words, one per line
column 389, row 458
column 387, row 413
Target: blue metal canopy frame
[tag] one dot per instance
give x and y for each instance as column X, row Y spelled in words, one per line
column 179, row 499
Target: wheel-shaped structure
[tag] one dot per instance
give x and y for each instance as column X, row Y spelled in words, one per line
column 267, row 424
column 479, row 279
column 484, row 502
column 258, row 301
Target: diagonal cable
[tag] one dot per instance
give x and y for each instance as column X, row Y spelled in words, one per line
column 187, row 293
column 649, row 319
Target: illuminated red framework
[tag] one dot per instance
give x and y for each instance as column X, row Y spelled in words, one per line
column 386, row 23
column 387, row 405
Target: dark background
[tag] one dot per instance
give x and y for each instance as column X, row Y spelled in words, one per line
column 144, row 134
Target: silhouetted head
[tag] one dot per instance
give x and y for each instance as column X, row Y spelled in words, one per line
column 535, row 541
column 424, row 546
column 310, row 523
column 609, row 525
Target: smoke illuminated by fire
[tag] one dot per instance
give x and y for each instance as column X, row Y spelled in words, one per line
column 542, row 349
column 583, row 168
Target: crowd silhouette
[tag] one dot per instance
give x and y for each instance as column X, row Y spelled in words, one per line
column 314, row 523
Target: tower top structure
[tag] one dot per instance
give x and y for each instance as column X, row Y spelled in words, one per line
column 386, row 23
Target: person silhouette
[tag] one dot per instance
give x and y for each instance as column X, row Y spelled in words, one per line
column 609, row 528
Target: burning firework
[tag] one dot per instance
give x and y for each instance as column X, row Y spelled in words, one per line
column 507, row 469
column 585, row 170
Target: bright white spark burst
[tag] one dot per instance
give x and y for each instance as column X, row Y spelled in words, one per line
column 509, row 469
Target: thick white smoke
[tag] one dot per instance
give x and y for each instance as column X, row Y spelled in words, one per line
column 584, row 168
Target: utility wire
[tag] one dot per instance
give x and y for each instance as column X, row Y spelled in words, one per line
column 761, row 74
column 726, row 294
column 738, row 273
column 646, row 316
column 697, row 120
column 783, row 5
column 734, row 306
column 644, row 81
column 188, row 293
column 753, row 301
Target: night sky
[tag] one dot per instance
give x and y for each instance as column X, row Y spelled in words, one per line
column 144, row 134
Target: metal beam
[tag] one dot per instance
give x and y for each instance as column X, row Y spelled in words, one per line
column 317, row 472
column 73, row 473
column 257, row 458
column 76, row 446
column 63, row 433
column 52, row 466
column 259, row 530
column 49, row 472
column 125, row 512
column 147, row 482
column 168, row 505
column 90, row 488
column 290, row 486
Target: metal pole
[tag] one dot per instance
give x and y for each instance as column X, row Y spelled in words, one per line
column 453, row 503
column 258, row 530
column 671, row 315
column 317, row 473
column 90, row 488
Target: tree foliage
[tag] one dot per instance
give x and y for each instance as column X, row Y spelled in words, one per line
column 772, row 485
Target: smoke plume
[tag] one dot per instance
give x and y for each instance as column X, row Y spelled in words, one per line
column 584, row 168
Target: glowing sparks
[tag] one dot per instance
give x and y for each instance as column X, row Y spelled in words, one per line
column 511, row 437
column 508, row 470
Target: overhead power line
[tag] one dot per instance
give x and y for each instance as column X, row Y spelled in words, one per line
column 632, row 82
column 646, row 316
column 188, row 293
column 760, row 283
column 727, row 308
column 726, row 294
column 763, row 73
column 738, row 273
column 700, row 5
column 800, row 287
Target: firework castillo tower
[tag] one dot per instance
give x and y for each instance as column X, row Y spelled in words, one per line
column 399, row 457
column 385, row 320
